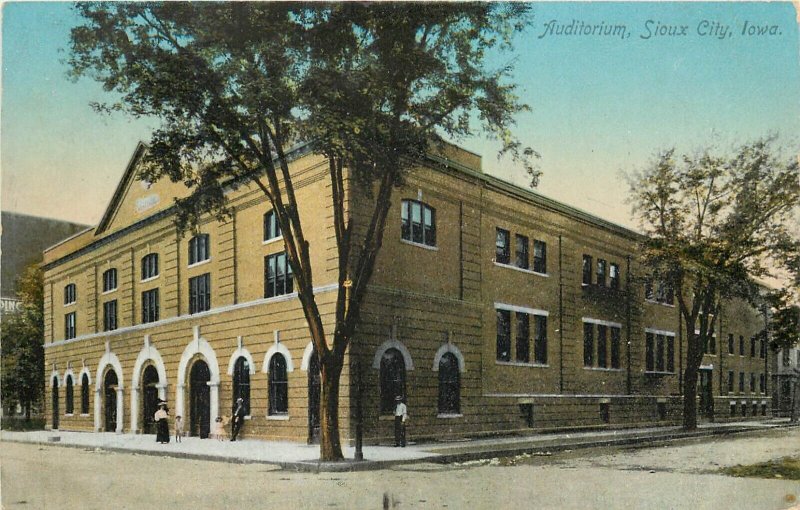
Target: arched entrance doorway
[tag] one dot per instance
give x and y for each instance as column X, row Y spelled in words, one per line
column 110, row 400
column 55, row 403
column 149, row 399
column 199, row 399
column 314, row 387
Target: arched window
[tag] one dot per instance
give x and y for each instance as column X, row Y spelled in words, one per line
column 199, row 249
column 241, row 383
column 393, row 379
column 110, row 280
column 69, row 396
column 149, row 266
column 278, row 385
column 85, row 394
column 449, row 385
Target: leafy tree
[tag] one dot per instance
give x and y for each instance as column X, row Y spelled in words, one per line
column 22, row 350
column 714, row 223
column 235, row 85
column 785, row 330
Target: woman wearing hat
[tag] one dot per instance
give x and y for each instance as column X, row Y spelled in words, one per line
column 162, row 424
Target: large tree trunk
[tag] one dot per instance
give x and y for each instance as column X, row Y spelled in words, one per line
column 690, row 397
column 330, row 444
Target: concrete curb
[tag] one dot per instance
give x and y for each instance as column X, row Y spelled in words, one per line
column 438, row 456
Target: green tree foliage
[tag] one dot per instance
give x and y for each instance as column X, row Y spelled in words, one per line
column 22, row 350
column 236, row 85
column 715, row 222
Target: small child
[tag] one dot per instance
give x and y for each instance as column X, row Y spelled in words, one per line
column 219, row 429
column 178, row 429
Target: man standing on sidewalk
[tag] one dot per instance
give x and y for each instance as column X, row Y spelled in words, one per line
column 400, row 417
column 238, row 418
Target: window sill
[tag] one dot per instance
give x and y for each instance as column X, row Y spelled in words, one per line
column 657, row 372
column 520, row 269
column 107, row 292
column 67, row 305
column 521, row 364
column 278, row 417
column 206, row 261
column 273, row 240
column 150, row 279
column 654, row 302
column 68, row 415
column 449, row 416
column 602, row 369
column 85, row 415
column 419, row 245
column 248, row 417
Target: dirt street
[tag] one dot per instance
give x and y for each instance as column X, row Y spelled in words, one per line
column 680, row 475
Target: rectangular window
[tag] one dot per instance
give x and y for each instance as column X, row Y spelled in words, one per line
column 540, row 339
column 109, row 280
column 587, row 269
column 741, row 345
column 601, row 272
column 752, row 347
column 660, row 351
column 588, row 344
column 418, row 223
column 199, row 249
column 110, row 315
column 733, row 408
column 613, row 276
column 503, row 335
column 730, row 381
column 616, row 335
column 762, row 383
column 602, row 346
column 741, row 382
column 69, row 325
column 762, row 352
column 650, row 352
column 752, row 382
column 200, row 293
column 731, row 349
column 502, row 251
column 277, row 275
column 149, row 266
column 540, row 257
column 523, row 337
column 272, row 229
column 712, row 345
column 70, row 294
column 523, row 260
column 150, row 305
column 670, row 353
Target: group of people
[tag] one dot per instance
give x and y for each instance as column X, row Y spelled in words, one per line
column 162, row 423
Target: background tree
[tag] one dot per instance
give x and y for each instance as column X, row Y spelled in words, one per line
column 714, row 224
column 235, row 85
column 22, row 350
column 785, row 334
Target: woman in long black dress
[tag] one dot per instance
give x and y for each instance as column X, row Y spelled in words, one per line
column 162, row 424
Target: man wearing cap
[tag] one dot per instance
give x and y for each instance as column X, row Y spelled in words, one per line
column 400, row 418
column 238, row 418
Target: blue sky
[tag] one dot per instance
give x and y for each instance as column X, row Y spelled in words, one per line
column 601, row 105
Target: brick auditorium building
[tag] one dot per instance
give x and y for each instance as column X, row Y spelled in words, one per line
column 494, row 309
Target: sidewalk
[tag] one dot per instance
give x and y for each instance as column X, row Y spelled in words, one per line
column 301, row 457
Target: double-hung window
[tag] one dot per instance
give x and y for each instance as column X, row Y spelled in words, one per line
column 601, row 272
column 110, row 315
column 69, row 325
column 149, row 266
column 502, row 246
column 540, row 256
column 613, row 276
column 418, row 223
column 109, row 280
column 587, row 270
column 659, row 352
column 70, row 294
column 523, row 258
column 200, row 293
column 199, row 248
column 150, row 305
column 277, row 275
column 272, row 229
column 503, row 335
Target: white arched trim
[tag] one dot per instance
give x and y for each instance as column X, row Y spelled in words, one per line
column 275, row 349
column 198, row 347
column 241, row 352
column 392, row 344
column 69, row 374
column 54, row 376
column 448, row 347
column 148, row 353
column 109, row 358
column 85, row 372
column 307, row 356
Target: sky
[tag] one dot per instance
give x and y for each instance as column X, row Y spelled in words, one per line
column 682, row 75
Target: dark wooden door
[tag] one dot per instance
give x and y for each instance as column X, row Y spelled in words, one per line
column 314, row 390
column 706, row 395
column 110, row 394
column 149, row 399
column 199, row 400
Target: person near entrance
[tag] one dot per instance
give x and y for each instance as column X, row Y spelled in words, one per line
column 400, row 419
column 178, row 428
column 162, row 423
column 238, row 418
